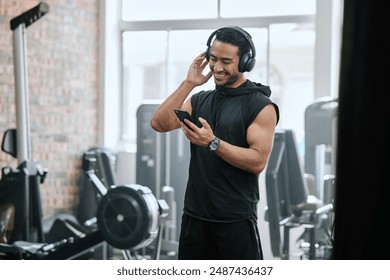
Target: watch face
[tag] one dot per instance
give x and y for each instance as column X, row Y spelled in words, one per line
column 214, row 145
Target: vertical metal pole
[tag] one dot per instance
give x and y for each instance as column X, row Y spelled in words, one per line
column 22, row 120
column 21, row 98
column 158, row 165
column 31, row 209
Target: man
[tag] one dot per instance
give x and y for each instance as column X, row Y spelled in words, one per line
column 231, row 139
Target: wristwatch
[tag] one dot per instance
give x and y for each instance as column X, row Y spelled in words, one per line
column 214, row 145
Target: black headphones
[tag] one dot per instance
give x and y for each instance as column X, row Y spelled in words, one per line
column 247, row 60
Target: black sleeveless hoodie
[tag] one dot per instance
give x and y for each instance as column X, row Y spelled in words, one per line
column 216, row 190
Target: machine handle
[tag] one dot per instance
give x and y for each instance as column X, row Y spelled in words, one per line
column 30, row 16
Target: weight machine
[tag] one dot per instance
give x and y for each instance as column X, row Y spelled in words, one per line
column 290, row 204
column 128, row 216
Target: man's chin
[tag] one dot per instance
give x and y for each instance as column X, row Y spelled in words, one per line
column 219, row 81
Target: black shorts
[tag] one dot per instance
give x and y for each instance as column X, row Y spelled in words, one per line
column 203, row 240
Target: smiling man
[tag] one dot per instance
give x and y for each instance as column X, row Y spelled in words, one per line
column 231, row 140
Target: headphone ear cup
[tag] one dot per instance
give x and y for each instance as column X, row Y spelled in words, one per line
column 242, row 65
column 250, row 64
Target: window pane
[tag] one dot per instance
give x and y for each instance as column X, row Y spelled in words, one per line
column 184, row 46
column 259, row 73
column 292, row 73
column 251, row 8
column 143, row 74
column 155, row 63
column 168, row 9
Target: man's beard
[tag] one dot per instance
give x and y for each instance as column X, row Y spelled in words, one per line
column 231, row 80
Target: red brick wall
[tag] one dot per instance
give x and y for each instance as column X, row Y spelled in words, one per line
column 62, row 58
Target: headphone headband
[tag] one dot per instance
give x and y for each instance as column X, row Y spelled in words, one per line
column 239, row 29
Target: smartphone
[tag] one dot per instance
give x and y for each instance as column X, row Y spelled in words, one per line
column 182, row 115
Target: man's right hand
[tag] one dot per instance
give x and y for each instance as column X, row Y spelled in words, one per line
column 195, row 73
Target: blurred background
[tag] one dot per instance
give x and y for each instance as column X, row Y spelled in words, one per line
column 98, row 69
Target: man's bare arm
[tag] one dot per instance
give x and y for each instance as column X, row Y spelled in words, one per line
column 164, row 119
column 260, row 136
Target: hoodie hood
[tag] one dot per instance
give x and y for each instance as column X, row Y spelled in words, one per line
column 245, row 88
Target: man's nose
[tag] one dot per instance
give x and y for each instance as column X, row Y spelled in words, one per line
column 218, row 66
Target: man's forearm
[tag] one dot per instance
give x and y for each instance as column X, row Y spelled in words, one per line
column 164, row 119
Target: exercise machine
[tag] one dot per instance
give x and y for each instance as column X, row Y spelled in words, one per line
column 290, row 205
column 128, row 216
column 20, row 186
column 162, row 163
column 320, row 144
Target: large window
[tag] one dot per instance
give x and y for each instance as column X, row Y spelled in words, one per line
column 296, row 45
column 146, row 10
column 159, row 44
